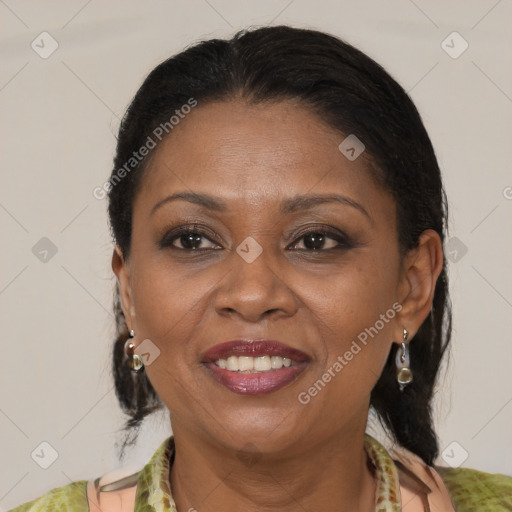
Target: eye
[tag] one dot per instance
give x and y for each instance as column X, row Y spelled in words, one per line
column 322, row 240
column 194, row 238
column 190, row 239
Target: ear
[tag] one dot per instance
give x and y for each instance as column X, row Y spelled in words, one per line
column 420, row 271
column 121, row 268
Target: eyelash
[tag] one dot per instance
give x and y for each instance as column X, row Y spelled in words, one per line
column 343, row 240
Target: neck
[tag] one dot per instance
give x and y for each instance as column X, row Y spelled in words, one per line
column 331, row 476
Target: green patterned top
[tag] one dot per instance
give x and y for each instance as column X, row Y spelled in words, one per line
column 470, row 490
column 475, row 490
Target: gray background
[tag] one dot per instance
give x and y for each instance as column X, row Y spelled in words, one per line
column 59, row 117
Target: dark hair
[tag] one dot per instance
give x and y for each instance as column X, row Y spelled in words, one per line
column 352, row 94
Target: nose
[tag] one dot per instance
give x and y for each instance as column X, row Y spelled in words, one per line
column 255, row 290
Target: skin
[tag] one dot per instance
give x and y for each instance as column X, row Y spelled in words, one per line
column 268, row 452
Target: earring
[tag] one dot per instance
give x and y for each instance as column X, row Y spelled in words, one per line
column 136, row 363
column 403, row 372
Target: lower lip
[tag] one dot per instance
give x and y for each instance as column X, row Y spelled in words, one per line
column 256, row 383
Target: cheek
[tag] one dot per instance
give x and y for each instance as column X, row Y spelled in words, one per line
column 166, row 293
column 357, row 307
column 354, row 297
column 357, row 343
column 169, row 303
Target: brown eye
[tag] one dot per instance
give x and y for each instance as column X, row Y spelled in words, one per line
column 189, row 239
column 322, row 240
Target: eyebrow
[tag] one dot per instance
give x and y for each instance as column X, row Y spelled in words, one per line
column 289, row 205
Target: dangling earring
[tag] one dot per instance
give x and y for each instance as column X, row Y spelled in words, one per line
column 403, row 372
column 136, row 363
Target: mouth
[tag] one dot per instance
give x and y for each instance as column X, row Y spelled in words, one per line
column 254, row 367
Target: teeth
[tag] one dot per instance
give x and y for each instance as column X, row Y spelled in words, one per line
column 262, row 364
column 276, row 362
column 245, row 364
column 232, row 363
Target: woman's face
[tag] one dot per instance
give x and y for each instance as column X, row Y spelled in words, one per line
column 255, row 275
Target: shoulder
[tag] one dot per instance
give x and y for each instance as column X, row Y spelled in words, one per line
column 471, row 489
column 459, row 489
column 114, row 491
column 68, row 498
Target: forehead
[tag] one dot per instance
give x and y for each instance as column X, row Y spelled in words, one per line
column 254, row 154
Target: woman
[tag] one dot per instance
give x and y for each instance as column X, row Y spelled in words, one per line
column 279, row 216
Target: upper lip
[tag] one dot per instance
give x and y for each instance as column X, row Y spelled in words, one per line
column 253, row 348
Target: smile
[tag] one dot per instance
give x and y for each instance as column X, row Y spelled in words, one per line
column 254, row 367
